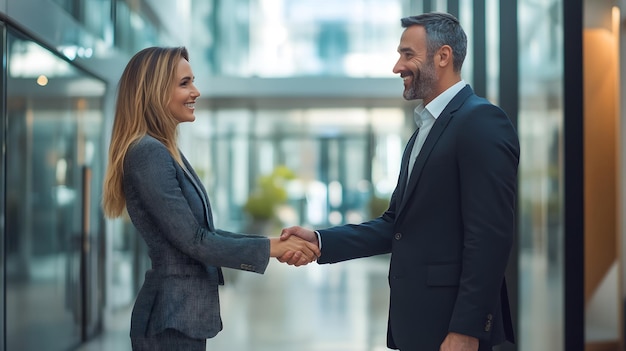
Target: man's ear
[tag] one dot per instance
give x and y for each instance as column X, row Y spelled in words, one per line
column 444, row 56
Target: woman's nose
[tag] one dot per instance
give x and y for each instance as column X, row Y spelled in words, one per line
column 195, row 92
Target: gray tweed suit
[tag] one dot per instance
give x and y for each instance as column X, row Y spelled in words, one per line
column 170, row 209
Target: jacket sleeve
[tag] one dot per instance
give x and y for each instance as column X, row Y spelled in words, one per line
column 352, row 241
column 156, row 197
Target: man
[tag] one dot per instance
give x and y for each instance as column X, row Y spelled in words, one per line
column 451, row 219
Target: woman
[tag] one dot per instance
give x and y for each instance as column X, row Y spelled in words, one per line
column 177, row 307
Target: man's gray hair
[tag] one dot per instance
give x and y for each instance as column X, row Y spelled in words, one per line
column 441, row 29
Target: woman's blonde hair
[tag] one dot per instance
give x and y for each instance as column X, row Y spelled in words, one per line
column 144, row 92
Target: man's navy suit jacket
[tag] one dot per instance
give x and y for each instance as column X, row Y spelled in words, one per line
column 449, row 231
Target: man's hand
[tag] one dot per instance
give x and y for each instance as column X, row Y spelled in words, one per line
column 459, row 342
column 295, row 257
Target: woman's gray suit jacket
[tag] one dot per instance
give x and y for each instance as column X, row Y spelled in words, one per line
column 170, row 209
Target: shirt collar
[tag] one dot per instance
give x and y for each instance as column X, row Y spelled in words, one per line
column 438, row 104
column 420, row 114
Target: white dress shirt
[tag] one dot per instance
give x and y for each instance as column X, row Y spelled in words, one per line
column 425, row 117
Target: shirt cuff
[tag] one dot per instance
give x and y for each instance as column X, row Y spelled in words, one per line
column 319, row 240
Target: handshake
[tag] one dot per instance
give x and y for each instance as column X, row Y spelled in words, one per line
column 296, row 246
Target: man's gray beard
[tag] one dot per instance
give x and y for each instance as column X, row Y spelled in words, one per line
column 408, row 94
column 427, row 79
column 412, row 93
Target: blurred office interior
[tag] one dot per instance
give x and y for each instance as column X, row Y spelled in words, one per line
column 303, row 90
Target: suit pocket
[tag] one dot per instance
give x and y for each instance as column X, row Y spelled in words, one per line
column 443, row 275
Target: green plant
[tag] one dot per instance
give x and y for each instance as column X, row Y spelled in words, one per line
column 377, row 206
column 269, row 192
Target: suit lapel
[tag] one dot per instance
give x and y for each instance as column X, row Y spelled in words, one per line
column 193, row 177
column 196, row 183
column 404, row 167
column 433, row 136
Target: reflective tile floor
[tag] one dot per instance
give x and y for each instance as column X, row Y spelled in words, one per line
column 341, row 307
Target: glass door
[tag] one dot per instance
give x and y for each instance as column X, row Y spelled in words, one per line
column 53, row 224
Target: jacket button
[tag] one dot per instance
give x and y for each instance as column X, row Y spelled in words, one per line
column 398, row 236
column 489, row 322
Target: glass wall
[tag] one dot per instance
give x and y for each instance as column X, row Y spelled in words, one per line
column 125, row 25
column 3, row 187
column 95, row 15
column 53, row 222
column 133, row 31
column 541, row 177
column 286, row 38
column 343, row 160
